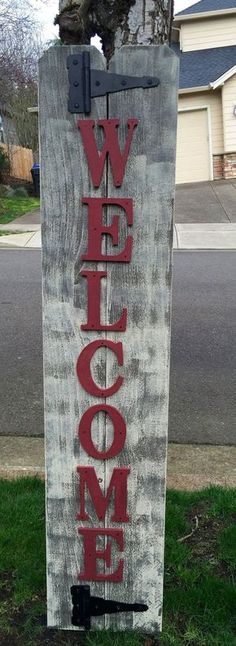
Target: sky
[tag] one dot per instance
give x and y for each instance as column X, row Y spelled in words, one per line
column 48, row 10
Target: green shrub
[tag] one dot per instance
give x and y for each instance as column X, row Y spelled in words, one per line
column 4, row 164
column 20, row 191
column 3, row 190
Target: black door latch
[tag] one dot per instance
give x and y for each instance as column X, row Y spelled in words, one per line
column 86, row 83
column 85, row 606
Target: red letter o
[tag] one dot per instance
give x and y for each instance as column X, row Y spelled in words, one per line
column 119, row 432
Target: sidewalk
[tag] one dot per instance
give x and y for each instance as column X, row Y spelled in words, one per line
column 30, row 238
column 190, row 467
column 186, row 236
column 205, row 218
column 26, row 232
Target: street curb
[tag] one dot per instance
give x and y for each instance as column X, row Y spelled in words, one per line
column 27, row 239
column 197, row 237
column 20, row 228
column 221, row 236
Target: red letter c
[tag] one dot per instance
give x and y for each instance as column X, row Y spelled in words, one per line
column 83, row 368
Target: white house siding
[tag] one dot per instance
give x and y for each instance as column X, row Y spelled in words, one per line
column 229, row 119
column 214, row 101
column 205, row 34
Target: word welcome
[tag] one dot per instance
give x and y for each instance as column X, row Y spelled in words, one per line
column 88, row 480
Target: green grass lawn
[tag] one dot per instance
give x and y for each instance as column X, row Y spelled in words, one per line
column 200, row 571
column 14, row 207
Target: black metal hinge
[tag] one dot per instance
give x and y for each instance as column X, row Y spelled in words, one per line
column 86, row 83
column 85, row 606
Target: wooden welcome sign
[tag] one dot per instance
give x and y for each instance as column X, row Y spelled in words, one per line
column 107, row 208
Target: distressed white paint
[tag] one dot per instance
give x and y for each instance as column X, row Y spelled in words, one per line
column 144, row 287
column 64, row 181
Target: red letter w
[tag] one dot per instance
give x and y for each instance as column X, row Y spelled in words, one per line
column 100, row 501
column 111, row 148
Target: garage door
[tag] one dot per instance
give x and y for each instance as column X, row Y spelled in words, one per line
column 192, row 163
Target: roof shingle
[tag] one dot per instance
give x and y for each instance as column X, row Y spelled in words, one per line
column 204, row 66
column 208, row 5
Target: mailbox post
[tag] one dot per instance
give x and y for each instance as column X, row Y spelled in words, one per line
column 107, row 182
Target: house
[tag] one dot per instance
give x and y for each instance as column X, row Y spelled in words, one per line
column 204, row 38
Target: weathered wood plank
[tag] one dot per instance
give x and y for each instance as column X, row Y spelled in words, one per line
column 144, row 286
column 65, row 181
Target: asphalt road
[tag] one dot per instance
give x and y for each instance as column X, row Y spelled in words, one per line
column 203, row 357
column 202, row 392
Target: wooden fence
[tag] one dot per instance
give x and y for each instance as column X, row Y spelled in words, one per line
column 21, row 161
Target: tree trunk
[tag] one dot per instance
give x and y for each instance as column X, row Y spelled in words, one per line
column 117, row 22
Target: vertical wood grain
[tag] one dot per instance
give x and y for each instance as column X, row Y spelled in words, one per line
column 65, row 181
column 144, row 286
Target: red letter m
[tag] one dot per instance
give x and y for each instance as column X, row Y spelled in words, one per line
column 96, row 159
column 118, row 484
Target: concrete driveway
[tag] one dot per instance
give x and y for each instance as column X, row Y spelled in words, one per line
column 206, row 202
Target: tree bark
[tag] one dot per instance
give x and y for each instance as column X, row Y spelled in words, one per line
column 117, row 22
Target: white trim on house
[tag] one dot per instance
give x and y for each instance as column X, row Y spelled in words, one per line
column 221, row 80
column 200, row 88
column 210, row 142
column 204, row 107
column 204, row 14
